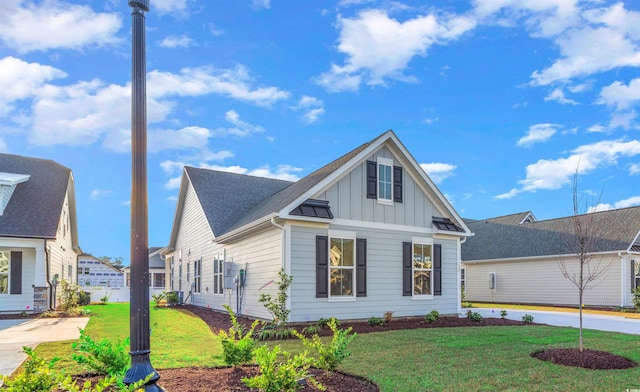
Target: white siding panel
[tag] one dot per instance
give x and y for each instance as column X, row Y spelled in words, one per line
column 384, row 279
column 539, row 282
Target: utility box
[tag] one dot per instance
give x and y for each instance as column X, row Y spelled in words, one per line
column 492, row 280
column 228, row 275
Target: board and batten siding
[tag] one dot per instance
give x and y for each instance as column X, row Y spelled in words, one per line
column 384, row 278
column 540, row 282
column 348, row 199
column 260, row 255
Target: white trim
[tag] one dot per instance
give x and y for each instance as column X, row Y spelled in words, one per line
column 381, row 161
column 343, row 235
column 530, row 258
column 633, row 242
column 350, row 235
column 382, row 226
column 422, row 241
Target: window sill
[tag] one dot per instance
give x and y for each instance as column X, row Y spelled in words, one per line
column 386, row 202
column 421, row 297
column 341, row 299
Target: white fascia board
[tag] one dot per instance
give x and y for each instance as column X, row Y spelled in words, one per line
column 535, row 258
column 11, row 179
column 240, row 231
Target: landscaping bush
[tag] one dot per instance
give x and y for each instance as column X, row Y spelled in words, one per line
column 432, row 317
column 278, row 307
column 280, row 377
column 158, row 298
column 237, row 348
column 503, row 313
column 172, row 298
column 475, row 316
column 37, row 376
column 527, row 318
column 375, row 322
column 84, row 298
column 68, row 297
column 636, row 298
column 324, row 321
column 311, row 329
column 107, row 357
column 332, row 355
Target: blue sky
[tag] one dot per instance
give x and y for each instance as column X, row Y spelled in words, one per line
column 499, row 100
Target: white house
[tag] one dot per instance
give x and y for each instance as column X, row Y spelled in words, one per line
column 157, row 273
column 367, row 233
column 92, row 272
column 517, row 259
column 38, row 232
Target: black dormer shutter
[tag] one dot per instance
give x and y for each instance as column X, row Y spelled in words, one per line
column 372, row 180
column 16, row 273
column 407, row 280
column 361, row 267
column 397, row 184
column 437, row 269
column 322, row 266
column 633, row 275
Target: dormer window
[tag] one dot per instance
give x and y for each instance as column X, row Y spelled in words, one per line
column 384, row 181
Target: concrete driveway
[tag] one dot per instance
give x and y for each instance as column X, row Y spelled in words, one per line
column 14, row 334
column 570, row 319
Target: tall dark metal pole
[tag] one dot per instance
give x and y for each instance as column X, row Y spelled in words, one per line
column 140, row 344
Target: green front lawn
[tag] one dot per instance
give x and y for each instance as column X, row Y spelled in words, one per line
column 451, row 359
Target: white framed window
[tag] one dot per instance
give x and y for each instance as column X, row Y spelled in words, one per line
column 463, row 279
column 342, row 256
column 422, row 267
column 636, row 269
column 197, row 272
column 158, row 279
column 385, row 180
column 218, row 268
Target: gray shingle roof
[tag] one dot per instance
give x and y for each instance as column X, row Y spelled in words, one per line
column 35, row 207
column 501, row 238
column 231, row 201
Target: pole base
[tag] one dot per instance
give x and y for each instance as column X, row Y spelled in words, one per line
column 141, row 368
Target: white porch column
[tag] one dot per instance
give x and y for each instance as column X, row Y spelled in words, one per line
column 40, row 279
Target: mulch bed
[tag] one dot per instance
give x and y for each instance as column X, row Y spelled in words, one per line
column 588, row 359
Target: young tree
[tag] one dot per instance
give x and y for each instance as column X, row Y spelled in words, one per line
column 582, row 266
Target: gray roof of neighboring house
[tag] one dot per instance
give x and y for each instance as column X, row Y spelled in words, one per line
column 35, row 206
column 253, row 197
column 506, row 238
column 155, row 259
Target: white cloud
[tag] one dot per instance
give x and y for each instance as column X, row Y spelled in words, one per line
column 98, row 193
column 173, row 183
column 172, row 41
column 620, row 96
column 558, row 96
column 178, row 7
column 379, row 47
column 596, row 128
column 3, row 146
column 630, row 202
column 241, row 128
column 185, row 138
column 20, row 80
column 312, row 108
column 538, row 133
column 634, row 169
column 622, row 119
column 554, row 173
column 266, row 4
column 281, row 172
column 55, row 25
column 438, row 172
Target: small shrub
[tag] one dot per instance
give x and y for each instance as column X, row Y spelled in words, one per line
column 311, row 329
column 278, row 307
column 104, row 300
column 68, row 296
column 280, row 377
column 388, row 316
column 474, row 316
column 432, row 317
column 323, row 322
column 503, row 313
column 237, row 348
column 108, row 357
column 636, row 298
column 158, row 298
column 84, row 298
column 38, row 375
column 274, row 332
column 332, row 355
column 172, row 298
column 527, row 318
column 375, row 321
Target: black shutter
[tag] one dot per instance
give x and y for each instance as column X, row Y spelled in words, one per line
column 407, row 279
column 437, row 269
column 372, row 180
column 361, row 267
column 16, row 273
column 322, row 266
column 397, row 184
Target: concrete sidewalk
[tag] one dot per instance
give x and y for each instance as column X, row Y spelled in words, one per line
column 569, row 319
column 14, row 334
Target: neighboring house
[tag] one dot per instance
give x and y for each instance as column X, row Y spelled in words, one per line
column 516, row 259
column 38, row 232
column 92, row 272
column 365, row 234
column 157, row 280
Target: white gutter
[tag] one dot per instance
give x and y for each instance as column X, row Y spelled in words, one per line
column 245, row 228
